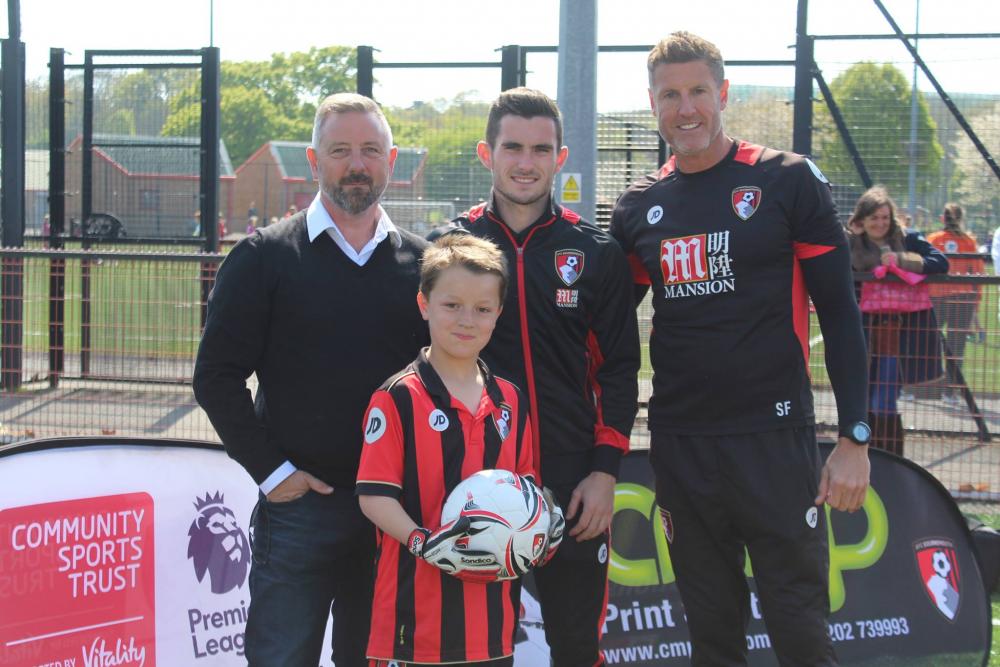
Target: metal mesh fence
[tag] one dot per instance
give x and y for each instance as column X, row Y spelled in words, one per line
column 144, row 178
column 124, row 368
column 128, row 371
column 130, row 322
column 872, row 84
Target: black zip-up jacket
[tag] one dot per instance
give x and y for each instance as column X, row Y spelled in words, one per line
column 567, row 336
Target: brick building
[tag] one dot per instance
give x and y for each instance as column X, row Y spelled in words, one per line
column 151, row 184
column 278, row 175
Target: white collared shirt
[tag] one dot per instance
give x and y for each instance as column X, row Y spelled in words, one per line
column 318, row 220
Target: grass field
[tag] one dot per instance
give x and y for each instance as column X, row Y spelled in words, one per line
column 138, row 308
column 992, row 519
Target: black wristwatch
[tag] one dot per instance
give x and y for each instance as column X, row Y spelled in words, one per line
column 858, row 432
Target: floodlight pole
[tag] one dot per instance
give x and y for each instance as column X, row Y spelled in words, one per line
column 912, row 175
column 12, row 111
column 802, row 117
column 210, row 140
column 577, row 96
column 12, row 201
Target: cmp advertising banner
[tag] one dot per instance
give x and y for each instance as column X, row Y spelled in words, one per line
column 137, row 553
column 904, row 585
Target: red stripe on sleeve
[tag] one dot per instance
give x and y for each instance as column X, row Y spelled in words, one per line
column 476, row 212
column 639, row 274
column 668, row 167
column 569, row 216
column 748, row 153
column 800, row 309
column 603, row 434
column 382, row 457
column 810, row 250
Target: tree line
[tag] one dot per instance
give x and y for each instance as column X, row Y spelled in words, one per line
column 276, row 100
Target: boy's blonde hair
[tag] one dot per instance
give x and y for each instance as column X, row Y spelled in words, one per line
column 462, row 249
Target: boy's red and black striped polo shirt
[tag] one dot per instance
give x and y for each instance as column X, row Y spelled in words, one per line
column 420, row 443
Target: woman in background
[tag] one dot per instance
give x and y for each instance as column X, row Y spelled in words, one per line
column 902, row 341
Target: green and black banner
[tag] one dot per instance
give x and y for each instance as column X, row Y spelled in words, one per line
column 904, row 585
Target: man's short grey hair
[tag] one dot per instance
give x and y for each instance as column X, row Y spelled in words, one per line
column 345, row 103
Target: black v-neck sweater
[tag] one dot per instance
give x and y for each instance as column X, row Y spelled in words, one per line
column 321, row 333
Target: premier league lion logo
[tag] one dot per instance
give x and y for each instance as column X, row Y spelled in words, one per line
column 218, row 545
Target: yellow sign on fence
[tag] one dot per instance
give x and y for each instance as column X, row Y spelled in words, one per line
column 569, row 190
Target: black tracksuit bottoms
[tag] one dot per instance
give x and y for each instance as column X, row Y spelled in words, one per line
column 573, row 594
column 719, row 495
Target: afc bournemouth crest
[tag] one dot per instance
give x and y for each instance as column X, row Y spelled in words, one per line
column 502, row 419
column 746, row 201
column 937, row 563
column 569, row 265
column 668, row 525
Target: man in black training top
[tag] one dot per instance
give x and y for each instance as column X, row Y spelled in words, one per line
column 568, row 337
column 322, row 307
column 733, row 238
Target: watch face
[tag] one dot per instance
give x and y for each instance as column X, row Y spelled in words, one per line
column 861, row 433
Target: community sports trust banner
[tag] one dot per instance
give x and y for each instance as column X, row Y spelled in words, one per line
column 904, row 585
column 116, row 552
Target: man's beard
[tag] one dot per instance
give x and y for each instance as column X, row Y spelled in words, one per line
column 352, row 199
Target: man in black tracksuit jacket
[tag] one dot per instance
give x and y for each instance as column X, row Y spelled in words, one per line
column 568, row 337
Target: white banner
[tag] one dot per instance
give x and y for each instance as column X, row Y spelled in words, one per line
column 123, row 555
column 127, row 554
column 131, row 554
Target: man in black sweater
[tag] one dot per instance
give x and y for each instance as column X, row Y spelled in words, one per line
column 322, row 307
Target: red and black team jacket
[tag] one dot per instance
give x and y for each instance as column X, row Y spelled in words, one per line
column 568, row 336
column 419, row 443
column 732, row 255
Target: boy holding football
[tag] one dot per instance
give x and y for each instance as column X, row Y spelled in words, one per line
column 433, row 424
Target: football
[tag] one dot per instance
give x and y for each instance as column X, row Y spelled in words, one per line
column 509, row 520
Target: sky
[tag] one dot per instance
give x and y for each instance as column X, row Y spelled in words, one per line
column 472, row 30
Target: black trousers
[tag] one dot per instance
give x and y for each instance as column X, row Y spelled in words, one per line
column 573, row 594
column 728, row 493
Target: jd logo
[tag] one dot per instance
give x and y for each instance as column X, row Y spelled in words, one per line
column 375, row 426
column 658, row 569
column 438, row 420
